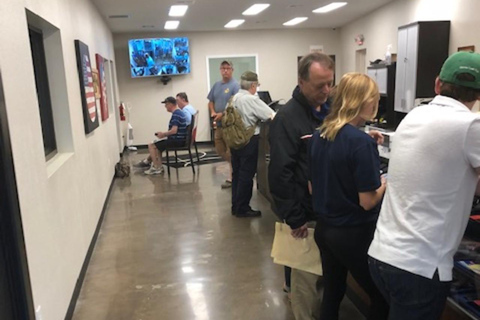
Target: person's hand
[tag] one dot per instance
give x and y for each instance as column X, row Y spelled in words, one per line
column 218, row 117
column 376, row 135
column 213, row 115
column 160, row 135
column 383, row 178
column 301, row 232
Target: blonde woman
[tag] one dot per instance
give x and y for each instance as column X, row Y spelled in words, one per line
column 346, row 190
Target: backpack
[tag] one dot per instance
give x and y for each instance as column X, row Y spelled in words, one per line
column 235, row 134
column 122, row 170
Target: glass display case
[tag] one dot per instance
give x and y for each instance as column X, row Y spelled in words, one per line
column 465, row 289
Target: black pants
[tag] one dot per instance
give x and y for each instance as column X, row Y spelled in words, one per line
column 345, row 249
column 244, row 165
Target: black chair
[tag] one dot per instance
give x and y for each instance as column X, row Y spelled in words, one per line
column 189, row 143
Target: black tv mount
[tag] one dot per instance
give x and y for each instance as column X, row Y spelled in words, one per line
column 165, row 79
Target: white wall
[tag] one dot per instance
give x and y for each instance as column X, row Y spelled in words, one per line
column 277, row 52
column 61, row 200
column 381, row 26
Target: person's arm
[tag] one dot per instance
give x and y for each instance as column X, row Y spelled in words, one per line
column 211, row 108
column 368, row 200
column 284, row 148
column 261, row 110
column 366, row 173
column 171, row 132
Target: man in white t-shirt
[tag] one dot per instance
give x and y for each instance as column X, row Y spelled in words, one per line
column 433, row 175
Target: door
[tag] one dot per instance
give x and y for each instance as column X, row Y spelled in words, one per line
column 411, row 67
column 400, row 102
column 15, row 292
column 360, row 60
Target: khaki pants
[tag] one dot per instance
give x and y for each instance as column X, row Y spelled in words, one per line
column 220, row 146
column 306, row 299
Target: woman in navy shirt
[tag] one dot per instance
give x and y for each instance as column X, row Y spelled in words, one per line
column 346, row 192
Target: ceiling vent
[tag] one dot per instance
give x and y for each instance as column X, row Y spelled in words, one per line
column 119, row 16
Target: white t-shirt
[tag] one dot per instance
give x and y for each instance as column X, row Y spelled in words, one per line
column 430, row 188
column 252, row 109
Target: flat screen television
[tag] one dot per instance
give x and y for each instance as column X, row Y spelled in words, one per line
column 158, row 57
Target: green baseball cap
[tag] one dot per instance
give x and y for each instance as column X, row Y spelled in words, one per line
column 249, row 76
column 458, row 63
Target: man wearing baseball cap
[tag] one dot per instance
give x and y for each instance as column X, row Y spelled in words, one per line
column 433, row 175
column 175, row 136
column 217, row 101
column 244, row 160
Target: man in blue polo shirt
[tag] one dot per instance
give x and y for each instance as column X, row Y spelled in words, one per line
column 175, row 136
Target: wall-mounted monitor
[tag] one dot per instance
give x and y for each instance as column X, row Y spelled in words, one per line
column 159, row 57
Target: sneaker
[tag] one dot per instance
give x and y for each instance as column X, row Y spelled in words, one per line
column 142, row 164
column 154, row 170
column 227, row 184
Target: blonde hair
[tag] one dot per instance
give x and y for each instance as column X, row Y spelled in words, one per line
column 354, row 91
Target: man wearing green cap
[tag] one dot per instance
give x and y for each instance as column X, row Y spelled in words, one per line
column 433, row 175
column 244, row 160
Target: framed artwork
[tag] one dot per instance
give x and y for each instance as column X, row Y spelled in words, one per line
column 89, row 105
column 96, row 89
column 102, row 86
column 467, row 48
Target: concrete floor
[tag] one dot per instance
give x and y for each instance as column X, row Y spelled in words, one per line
column 170, row 249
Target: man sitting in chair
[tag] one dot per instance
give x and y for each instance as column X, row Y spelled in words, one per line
column 182, row 103
column 175, row 136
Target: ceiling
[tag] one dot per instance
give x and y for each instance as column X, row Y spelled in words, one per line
column 212, row 15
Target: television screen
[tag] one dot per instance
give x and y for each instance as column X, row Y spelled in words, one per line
column 157, row 57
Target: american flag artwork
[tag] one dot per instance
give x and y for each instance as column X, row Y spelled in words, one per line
column 89, row 105
column 103, row 86
column 89, row 92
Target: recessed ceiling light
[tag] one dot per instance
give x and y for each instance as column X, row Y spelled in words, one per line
column 330, row 7
column 177, row 11
column 295, row 21
column 172, row 24
column 234, row 23
column 256, row 9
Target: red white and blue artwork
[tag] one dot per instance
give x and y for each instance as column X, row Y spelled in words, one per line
column 89, row 105
column 103, row 86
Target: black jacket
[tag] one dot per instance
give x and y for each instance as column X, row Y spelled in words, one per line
column 288, row 169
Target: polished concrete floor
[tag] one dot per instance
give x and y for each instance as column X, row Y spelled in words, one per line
column 170, row 249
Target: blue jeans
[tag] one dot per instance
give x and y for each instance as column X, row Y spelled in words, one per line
column 410, row 296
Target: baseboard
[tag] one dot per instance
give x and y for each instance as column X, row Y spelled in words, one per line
column 86, row 262
column 199, row 143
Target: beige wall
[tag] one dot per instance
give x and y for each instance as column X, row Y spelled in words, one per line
column 381, row 26
column 61, row 200
column 277, row 52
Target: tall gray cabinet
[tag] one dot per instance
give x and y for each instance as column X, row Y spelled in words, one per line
column 422, row 49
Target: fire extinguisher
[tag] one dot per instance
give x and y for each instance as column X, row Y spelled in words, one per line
column 122, row 112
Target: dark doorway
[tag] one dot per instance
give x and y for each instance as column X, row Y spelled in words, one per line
column 15, row 291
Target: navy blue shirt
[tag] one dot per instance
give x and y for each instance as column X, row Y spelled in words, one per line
column 178, row 119
column 339, row 170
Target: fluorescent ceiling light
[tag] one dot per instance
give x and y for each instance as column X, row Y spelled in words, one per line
column 256, row 9
column 234, row 23
column 177, row 10
column 172, row 24
column 330, row 7
column 295, row 21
